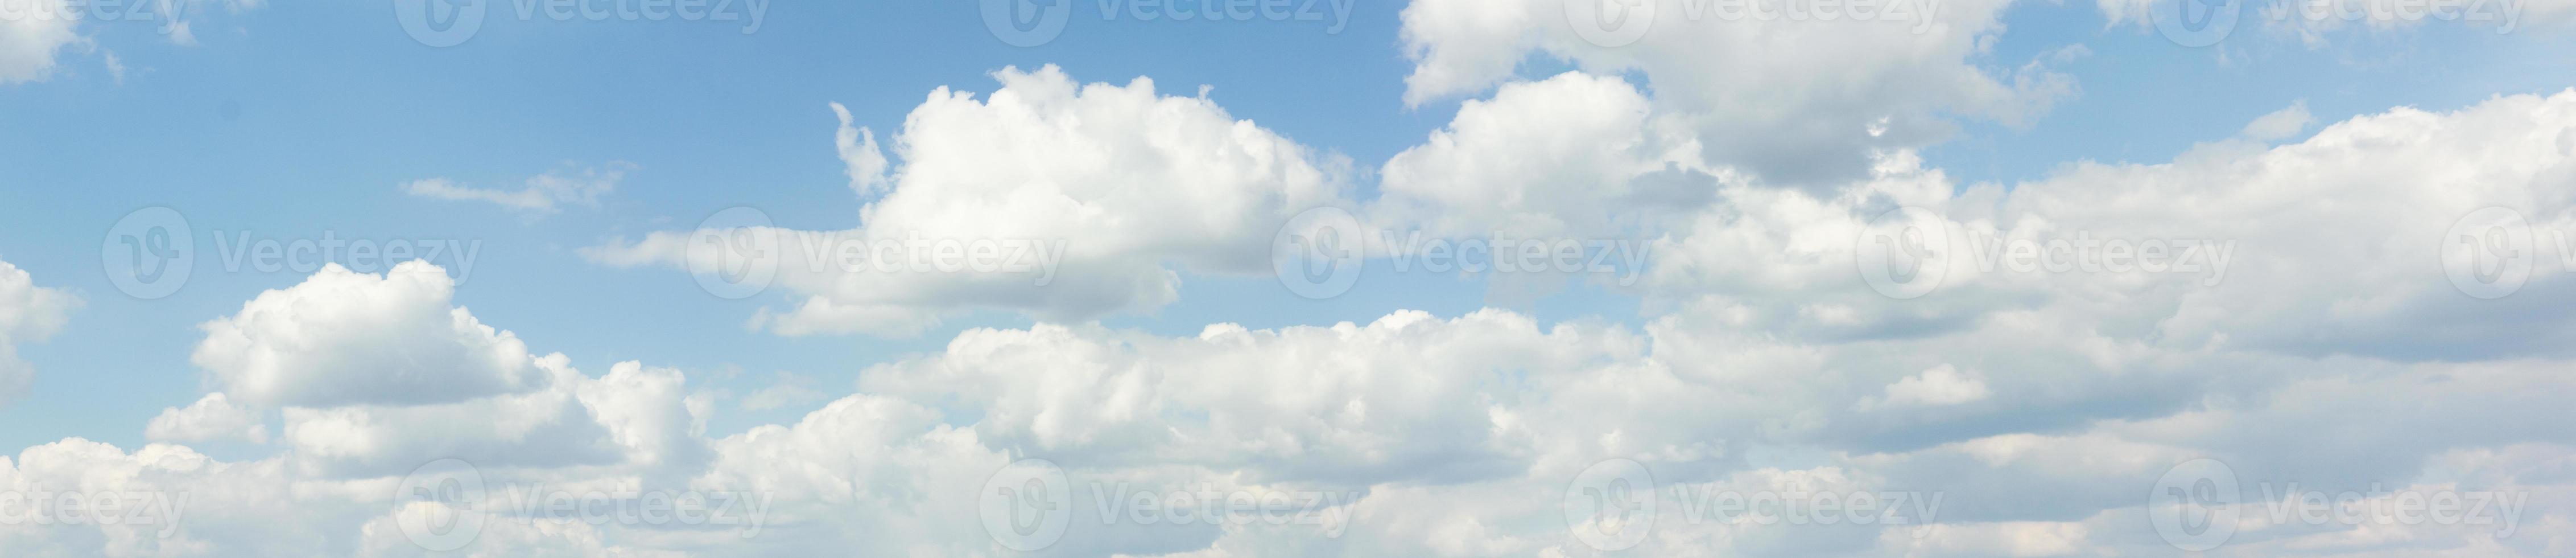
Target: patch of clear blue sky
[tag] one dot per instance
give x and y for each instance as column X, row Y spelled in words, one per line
column 304, row 117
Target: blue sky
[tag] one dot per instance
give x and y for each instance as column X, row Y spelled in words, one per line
column 290, row 120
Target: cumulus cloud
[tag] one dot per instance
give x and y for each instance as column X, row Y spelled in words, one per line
column 214, row 417
column 858, row 147
column 2021, row 413
column 1798, row 101
column 28, row 313
column 347, row 338
column 543, row 194
column 1575, row 154
column 1113, row 182
column 2239, row 252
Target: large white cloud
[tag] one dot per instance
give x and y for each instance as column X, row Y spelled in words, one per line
column 2042, row 408
column 346, row 338
column 1797, row 100
column 1785, row 258
column 1118, row 181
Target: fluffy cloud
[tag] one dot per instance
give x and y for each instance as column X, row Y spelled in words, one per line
column 2021, row 413
column 1751, row 85
column 28, row 313
column 346, row 338
column 1116, row 182
column 1576, row 154
column 31, row 35
column 1783, row 259
column 214, row 417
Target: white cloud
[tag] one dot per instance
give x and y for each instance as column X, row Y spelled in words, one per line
column 791, row 390
column 858, row 147
column 544, row 194
column 632, row 418
column 1803, row 102
column 1121, row 180
column 1942, row 385
column 2280, row 124
column 346, row 338
column 214, row 417
column 2044, row 406
column 1575, row 154
column 28, row 313
column 29, row 41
